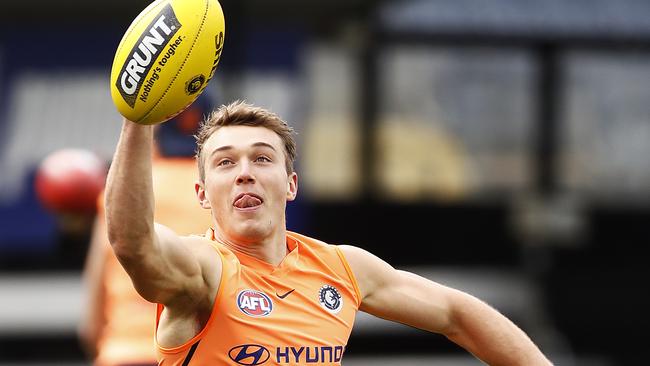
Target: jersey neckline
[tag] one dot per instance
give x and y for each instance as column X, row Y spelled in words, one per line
column 258, row 265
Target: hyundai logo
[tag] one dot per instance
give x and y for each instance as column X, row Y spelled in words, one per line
column 249, row 354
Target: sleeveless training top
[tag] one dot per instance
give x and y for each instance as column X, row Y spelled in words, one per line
column 300, row 312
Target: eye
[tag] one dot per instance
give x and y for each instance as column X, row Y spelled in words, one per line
column 224, row 162
column 262, row 159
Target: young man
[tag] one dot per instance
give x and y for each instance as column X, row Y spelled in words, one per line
column 251, row 292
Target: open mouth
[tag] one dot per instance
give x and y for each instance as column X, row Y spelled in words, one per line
column 247, row 200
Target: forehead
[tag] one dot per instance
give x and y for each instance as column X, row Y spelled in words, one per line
column 241, row 137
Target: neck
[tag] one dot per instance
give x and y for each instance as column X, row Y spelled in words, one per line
column 271, row 249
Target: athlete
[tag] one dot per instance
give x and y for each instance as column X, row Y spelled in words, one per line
column 250, row 292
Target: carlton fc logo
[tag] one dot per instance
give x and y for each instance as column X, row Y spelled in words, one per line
column 249, row 354
column 254, row 303
column 330, row 298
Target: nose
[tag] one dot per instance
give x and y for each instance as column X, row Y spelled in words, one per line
column 245, row 175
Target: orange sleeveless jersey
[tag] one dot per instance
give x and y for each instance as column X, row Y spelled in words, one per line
column 298, row 313
column 128, row 334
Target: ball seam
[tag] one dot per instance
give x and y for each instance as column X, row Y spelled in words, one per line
column 205, row 15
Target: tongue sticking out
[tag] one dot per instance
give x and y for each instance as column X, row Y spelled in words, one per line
column 247, row 201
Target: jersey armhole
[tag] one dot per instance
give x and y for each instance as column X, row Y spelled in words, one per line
column 353, row 279
column 199, row 335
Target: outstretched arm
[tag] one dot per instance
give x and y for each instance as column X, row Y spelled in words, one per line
column 162, row 267
column 410, row 299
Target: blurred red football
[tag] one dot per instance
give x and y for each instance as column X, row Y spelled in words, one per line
column 70, row 180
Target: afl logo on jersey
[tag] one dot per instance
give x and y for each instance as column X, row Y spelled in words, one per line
column 330, row 298
column 254, row 303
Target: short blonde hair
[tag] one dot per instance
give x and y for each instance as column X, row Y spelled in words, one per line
column 240, row 113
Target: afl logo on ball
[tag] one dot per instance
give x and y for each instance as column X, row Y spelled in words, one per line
column 330, row 298
column 254, row 303
column 194, row 84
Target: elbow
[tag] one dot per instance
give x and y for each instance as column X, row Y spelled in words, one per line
column 461, row 308
column 455, row 332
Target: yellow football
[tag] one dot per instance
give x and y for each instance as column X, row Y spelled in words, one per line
column 166, row 58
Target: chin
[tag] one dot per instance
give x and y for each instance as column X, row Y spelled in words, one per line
column 252, row 231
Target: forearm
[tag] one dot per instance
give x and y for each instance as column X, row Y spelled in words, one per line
column 129, row 197
column 161, row 267
column 490, row 336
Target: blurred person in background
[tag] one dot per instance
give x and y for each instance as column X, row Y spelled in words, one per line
column 118, row 325
column 250, row 291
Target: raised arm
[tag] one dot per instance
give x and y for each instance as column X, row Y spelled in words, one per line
column 163, row 268
column 410, row 299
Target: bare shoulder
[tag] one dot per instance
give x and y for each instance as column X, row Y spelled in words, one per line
column 352, row 253
column 362, row 260
column 198, row 287
column 370, row 271
column 198, row 242
column 208, row 257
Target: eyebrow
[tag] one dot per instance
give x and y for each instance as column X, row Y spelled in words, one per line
column 230, row 147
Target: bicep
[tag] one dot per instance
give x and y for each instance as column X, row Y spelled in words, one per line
column 400, row 296
column 415, row 301
column 168, row 269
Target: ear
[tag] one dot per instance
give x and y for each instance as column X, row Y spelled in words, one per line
column 292, row 186
column 200, row 194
